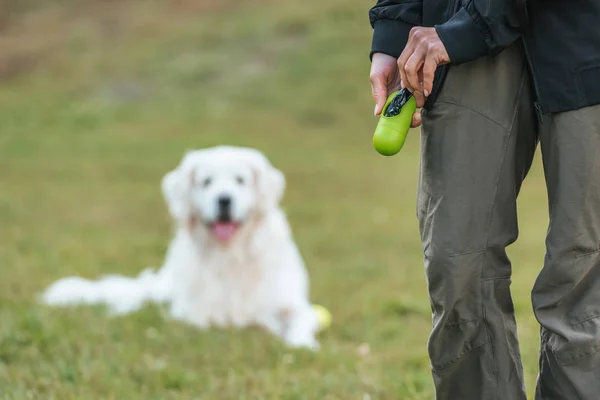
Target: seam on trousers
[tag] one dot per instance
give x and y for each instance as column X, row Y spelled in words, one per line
column 461, row 323
column 591, row 353
column 489, row 223
column 466, row 253
column 586, row 320
column 457, row 104
column 496, row 278
column 572, row 360
column 589, row 253
column 445, row 366
column 546, row 347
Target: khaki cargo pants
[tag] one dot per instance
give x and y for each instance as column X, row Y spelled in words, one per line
column 478, row 142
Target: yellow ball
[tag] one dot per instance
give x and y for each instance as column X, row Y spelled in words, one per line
column 323, row 316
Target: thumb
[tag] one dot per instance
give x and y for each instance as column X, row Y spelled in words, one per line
column 417, row 119
column 379, row 91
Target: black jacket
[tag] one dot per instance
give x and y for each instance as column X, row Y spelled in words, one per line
column 561, row 39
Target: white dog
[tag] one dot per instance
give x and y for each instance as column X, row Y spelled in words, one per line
column 232, row 262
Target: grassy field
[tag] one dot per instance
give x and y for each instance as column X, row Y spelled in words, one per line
column 98, row 99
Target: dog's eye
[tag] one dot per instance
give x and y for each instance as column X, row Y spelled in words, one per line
column 240, row 180
column 206, row 182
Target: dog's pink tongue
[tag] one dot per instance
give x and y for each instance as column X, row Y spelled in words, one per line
column 224, row 230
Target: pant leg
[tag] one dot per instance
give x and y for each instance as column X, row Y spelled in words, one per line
column 566, row 295
column 477, row 144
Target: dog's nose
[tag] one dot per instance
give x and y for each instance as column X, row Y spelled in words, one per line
column 224, row 202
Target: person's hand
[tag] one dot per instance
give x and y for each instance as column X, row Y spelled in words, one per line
column 419, row 60
column 385, row 79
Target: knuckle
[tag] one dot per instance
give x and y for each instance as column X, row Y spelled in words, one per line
column 417, row 34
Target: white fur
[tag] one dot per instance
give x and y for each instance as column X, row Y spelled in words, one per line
column 255, row 278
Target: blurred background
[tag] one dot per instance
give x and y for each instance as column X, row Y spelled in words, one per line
column 100, row 98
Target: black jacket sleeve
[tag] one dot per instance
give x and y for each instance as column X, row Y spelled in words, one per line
column 392, row 21
column 482, row 27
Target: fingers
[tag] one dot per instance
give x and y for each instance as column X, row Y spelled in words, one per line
column 412, row 68
column 411, row 60
column 402, row 60
column 403, row 76
column 384, row 79
column 379, row 93
column 419, row 98
column 412, row 77
column 428, row 71
column 418, row 93
column 410, row 65
column 419, row 60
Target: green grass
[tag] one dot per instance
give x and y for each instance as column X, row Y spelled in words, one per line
column 99, row 99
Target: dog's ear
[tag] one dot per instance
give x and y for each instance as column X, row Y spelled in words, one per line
column 270, row 182
column 176, row 187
